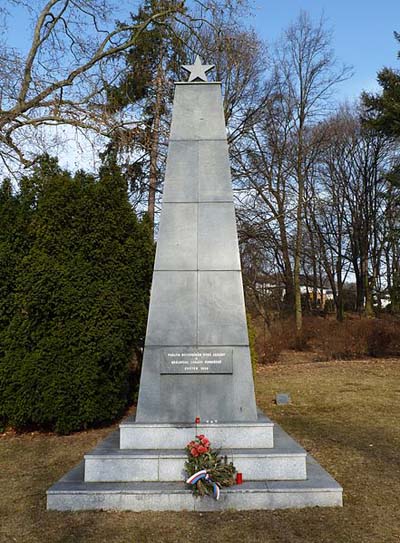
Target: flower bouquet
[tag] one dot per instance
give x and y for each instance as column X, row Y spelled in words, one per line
column 207, row 471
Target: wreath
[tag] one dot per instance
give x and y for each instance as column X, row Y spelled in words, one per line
column 207, row 470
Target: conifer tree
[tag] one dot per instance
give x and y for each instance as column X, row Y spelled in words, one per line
column 384, row 108
column 146, row 87
column 80, row 302
column 383, row 115
column 14, row 242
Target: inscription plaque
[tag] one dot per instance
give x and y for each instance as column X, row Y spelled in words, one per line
column 196, row 360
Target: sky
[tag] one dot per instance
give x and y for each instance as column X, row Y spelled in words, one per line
column 362, row 37
column 362, row 33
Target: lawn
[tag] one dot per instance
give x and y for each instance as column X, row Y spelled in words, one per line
column 345, row 413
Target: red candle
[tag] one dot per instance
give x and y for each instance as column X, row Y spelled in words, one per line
column 239, row 478
column 197, row 421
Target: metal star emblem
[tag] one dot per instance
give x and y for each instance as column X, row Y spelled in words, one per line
column 198, row 71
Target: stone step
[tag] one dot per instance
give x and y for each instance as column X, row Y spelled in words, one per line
column 226, row 435
column 72, row 493
column 107, row 463
column 167, row 465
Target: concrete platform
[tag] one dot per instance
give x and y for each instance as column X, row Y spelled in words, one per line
column 72, row 492
column 158, row 435
column 108, row 463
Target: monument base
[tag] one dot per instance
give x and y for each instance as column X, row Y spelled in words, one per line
column 223, row 435
column 140, row 479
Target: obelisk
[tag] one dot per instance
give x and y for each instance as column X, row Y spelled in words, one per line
column 196, row 374
column 196, row 357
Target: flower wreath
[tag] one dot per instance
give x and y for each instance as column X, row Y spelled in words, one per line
column 207, row 471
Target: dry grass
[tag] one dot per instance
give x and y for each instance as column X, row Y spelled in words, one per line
column 345, row 413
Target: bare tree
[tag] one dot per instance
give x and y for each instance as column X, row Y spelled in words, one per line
column 349, row 207
column 208, row 28
column 264, row 169
column 240, row 64
column 63, row 77
column 326, row 208
column 283, row 146
column 309, row 73
column 368, row 159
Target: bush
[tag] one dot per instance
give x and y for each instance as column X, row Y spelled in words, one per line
column 80, row 302
column 335, row 340
column 383, row 338
column 252, row 344
column 355, row 337
column 271, row 340
column 273, row 346
column 330, row 339
column 277, row 336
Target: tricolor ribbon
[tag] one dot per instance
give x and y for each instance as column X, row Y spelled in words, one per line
column 202, row 474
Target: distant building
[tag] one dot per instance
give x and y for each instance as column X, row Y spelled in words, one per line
column 322, row 294
column 272, row 285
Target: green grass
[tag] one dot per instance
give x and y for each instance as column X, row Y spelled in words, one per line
column 347, row 414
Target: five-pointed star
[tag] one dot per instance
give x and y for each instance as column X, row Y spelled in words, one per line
column 198, row 71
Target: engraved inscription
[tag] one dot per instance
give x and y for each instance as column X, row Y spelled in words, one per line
column 196, row 360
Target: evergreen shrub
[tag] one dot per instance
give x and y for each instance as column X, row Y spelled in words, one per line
column 79, row 301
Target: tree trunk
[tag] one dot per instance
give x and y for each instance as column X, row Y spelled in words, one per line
column 314, row 302
column 288, row 275
column 155, row 138
column 299, row 233
column 339, row 297
column 297, row 258
column 339, row 278
column 395, row 291
column 359, row 286
column 368, row 306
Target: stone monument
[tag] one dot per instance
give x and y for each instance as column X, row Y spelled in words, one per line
column 197, row 358
column 196, row 374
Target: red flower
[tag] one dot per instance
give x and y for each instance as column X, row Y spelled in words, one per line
column 205, row 442
column 201, row 449
column 201, row 436
column 194, row 452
